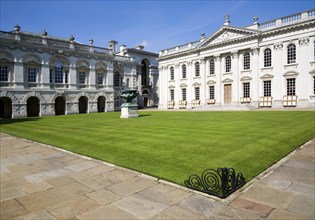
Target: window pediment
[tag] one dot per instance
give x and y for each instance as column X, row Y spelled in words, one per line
column 171, row 87
column 196, row 84
column 211, row 82
column 183, row 85
column 246, row 78
column 228, row 80
column 267, row 76
column 290, row 73
column 6, row 58
column 31, row 59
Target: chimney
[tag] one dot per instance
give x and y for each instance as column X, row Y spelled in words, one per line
column 122, row 48
column 139, row 47
column 112, row 45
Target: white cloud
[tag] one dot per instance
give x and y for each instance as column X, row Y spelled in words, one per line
column 144, row 43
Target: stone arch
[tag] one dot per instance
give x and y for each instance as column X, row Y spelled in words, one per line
column 83, row 104
column 60, row 105
column 82, row 94
column 5, row 107
column 6, row 57
column 33, row 106
column 59, row 58
column 36, row 94
column 145, row 64
column 100, row 65
column 82, row 64
column 9, row 95
column 31, row 58
column 101, row 103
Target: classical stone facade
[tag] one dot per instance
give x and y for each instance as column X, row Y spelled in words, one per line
column 268, row 64
column 44, row 75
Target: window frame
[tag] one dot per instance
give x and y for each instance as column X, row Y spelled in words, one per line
column 197, row 93
column 267, row 57
column 267, row 88
column 246, row 61
column 184, row 94
column 184, row 71
column 246, row 89
column 228, row 64
column 291, row 53
column 211, row 67
column 172, row 95
column 291, row 86
column 197, row 69
column 211, row 92
column 4, row 73
column 172, row 73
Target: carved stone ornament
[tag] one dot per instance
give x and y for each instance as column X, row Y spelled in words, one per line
column 203, row 61
column 304, row 41
column 176, row 65
column 217, row 57
column 189, row 63
column 255, row 50
column 235, row 54
column 278, row 46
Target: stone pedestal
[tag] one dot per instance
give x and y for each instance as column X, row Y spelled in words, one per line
column 129, row 110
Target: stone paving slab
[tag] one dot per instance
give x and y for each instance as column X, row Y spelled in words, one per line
column 42, row 182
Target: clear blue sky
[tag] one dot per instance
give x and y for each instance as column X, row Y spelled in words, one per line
column 156, row 24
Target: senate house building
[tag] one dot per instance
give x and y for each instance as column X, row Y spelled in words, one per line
column 263, row 65
column 45, row 75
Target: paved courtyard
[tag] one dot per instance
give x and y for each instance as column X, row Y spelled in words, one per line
column 43, row 182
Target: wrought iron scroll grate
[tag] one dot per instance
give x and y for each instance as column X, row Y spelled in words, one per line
column 221, row 182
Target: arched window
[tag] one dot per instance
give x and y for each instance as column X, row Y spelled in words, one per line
column 228, row 64
column 184, row 71
column 58, row 73
column 246, row 61
column 117, row 79
column 197, row 69
column 291, row 53
column 267, row 57
column 172, row 73
column 211, row 63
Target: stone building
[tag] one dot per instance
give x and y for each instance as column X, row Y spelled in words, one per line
column 269, row 64
column 45, row 75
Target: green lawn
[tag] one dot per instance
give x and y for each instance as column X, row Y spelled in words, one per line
column 173, row 145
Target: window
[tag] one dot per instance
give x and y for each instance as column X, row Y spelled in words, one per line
column 211, row 63
column 267, row 88
column 82, row 77
column 267, row 57
column 246, row 90
column 291, row 86
column 184, row 94
column 172, row 94
column 291, row 53
column 246, row 61
column 314, row 50
column 59, row 73
column 4, row 73
column 128, row 83
column 197, row 93
column 211, row 92
column 116, row 79
column 228, row 64
column 32, row 75
column 197, row 69
column 184, row 71
column 172, row 73
column 100, row 78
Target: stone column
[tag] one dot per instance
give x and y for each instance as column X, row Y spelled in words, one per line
column 203, row 88
column 92, row 79
column 45, row 74
column 236, row 78
column 255, row 88
column 218, row 86
column 161, row 87
column 17, row 79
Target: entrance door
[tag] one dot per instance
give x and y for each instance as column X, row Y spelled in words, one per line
column 227, row 93
column 32, row 107
column 145, row 102
column 60, row 106
column 83, row 105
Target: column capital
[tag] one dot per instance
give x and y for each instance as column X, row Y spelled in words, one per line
column 234, row 53
column 217, row 57
column 255, row 50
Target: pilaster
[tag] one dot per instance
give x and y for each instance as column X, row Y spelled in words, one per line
column 218, row 86
column 255, row 87
column 236, row 78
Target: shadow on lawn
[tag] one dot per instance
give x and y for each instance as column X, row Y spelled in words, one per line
column 11, row 121
column 144, row 115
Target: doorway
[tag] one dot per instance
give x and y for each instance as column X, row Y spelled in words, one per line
column 227, row 93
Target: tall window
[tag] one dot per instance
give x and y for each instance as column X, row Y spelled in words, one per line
column 267, row 88
column 172, row 94
column 184, row 94
column 246, row 61
column 211, row 63
column 116, row 79
column 211, row 92
column 59, row 73
column 267, row 57
column 82, row 77
column 246, row 90
column 184, row 71
column 291, row 53
column 172, row 73
column 197, row 93
column 314, row 50
column 197, row 69
column 100, row 78
column 66, row 76
column 228, row 64
column 291, row 86
column 4, row 73
column 31, row 75
column 314, row 85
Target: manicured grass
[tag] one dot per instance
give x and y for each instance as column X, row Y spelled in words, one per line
column 173, row 145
